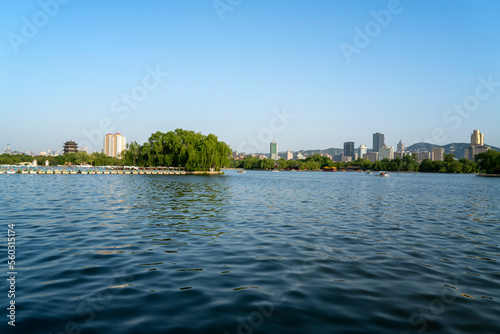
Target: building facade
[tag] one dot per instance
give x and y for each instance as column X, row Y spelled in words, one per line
column 363, row 149
column 70, row 147
column 476, row 145
column 386, row 152
column 437, row 153
column 273, row 151
column 349, row 150
column 401, row 146
column 378, row 141
column 114, row 144
column 289, row 155
column 373, row 156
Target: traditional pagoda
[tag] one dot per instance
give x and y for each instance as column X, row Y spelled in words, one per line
column 70, row 147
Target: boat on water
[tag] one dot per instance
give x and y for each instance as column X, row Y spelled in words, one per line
column 368, row 172
column 383, row 174
column 275, row 171
column 241, row 171
column 11, row 171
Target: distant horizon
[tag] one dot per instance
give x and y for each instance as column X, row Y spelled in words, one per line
column 369, row 147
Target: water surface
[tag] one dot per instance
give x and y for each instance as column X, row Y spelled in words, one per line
column 261, row 252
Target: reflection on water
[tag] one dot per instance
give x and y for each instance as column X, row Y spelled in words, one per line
column 255, row 253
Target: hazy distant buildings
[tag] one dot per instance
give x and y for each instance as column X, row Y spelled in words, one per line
column 421, row 156
column 437, row 153
column 349, row 150
column 70, row 147
column 378, row 141
column 373, row 156
column 476, row 145
column 363, row 149
column 289, row 155
column 401, row 147
column 386, row 152
column 477, row 138
column 273, row 150
column 114, row 144
column 7, row 149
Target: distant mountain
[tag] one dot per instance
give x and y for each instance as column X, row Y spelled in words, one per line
column 458, row 149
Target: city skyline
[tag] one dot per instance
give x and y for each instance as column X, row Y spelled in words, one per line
column 252, row 72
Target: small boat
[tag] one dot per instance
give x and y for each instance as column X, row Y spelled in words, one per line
column 241, row 171
column 368, row 172
column 2, row 171
column 84, row 172
column 72, row 171
column 49, row 171
column 383, row 174
column 275, row 171
column 33, row 171
column 41, row 171
column 57, row 171
column 11, row 171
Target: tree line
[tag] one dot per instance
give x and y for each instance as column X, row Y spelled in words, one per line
column 408, row 163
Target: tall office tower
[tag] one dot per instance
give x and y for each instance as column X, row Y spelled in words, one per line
column 349, row 150
column 378, row 141
column 477, row 138
column 363, row 149
column 401, row 146
column 476, row 145
column 289, row 155
column 114, row 144
column 274, row 150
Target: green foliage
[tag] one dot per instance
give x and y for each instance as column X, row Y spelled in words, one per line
column 179, row 148
column 489, row 162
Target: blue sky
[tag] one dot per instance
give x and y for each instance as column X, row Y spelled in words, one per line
column 425, row 70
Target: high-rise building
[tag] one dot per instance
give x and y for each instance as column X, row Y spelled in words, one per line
column 437, row 153
column 70, row 147
column 114, row 144
column 378, row 141
column 476, row 145
column 349, row 150
column 401, row 146
column 289, row 155
column 363, row 149
column 7, row 149
column 273, row 150
column 477, row 138
column 386, row 152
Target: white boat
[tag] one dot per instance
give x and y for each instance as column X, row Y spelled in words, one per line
column 49, row 171
column 12, row 171
column 383, row 174
column 368, row 172
column 33, row 171
column 275, row 171
column 2, row 171
column 241, row 171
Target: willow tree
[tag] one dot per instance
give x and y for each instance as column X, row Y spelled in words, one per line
column 180, row 148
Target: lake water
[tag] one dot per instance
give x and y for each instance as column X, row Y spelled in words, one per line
column 261, row 252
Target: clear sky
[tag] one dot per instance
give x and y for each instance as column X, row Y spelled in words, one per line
column 335, row 71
